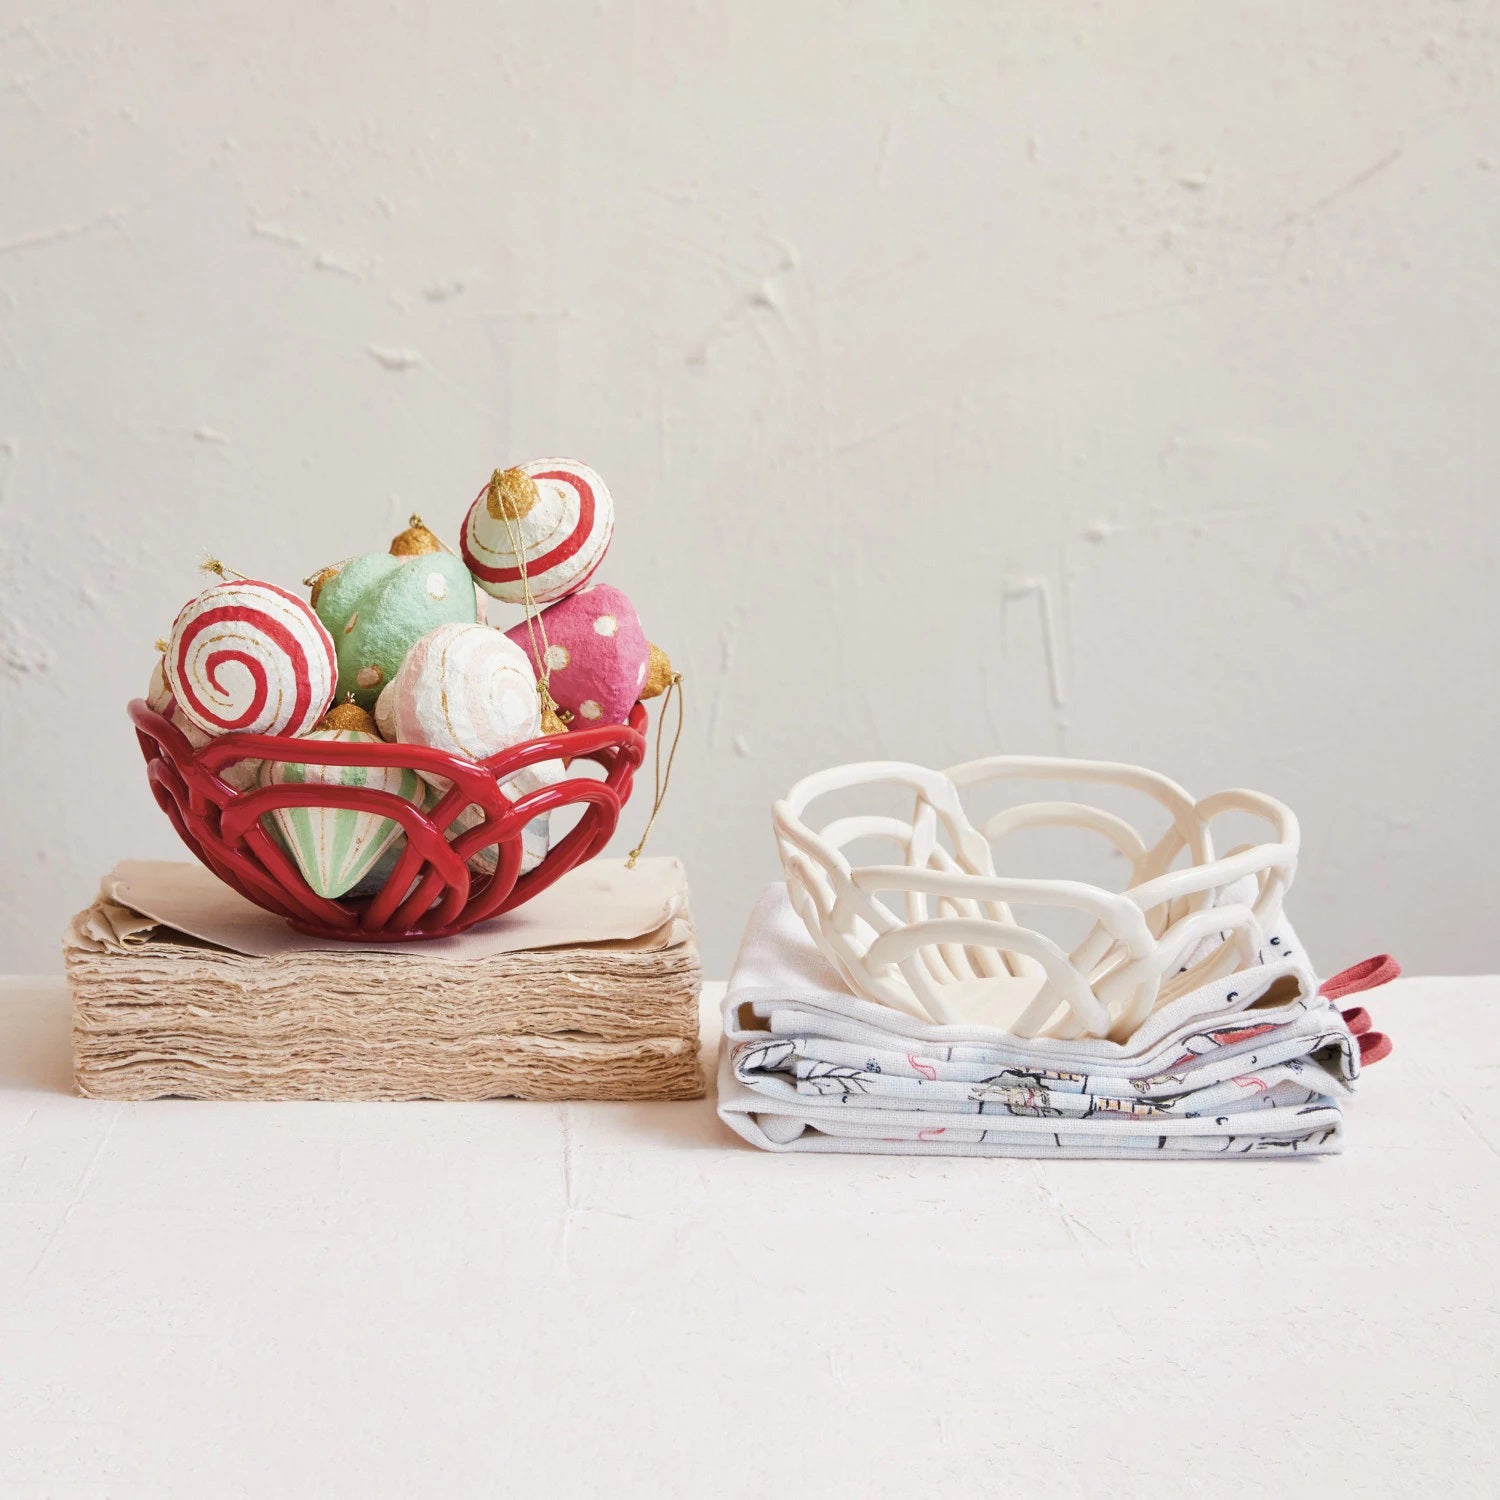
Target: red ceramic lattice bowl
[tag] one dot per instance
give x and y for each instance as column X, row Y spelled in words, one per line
column 432, row 891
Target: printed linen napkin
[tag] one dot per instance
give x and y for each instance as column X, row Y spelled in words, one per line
column 1255, row 1064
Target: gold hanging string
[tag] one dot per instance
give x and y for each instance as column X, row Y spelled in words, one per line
column 213, row 565
column 662, row 782
column 536, row 626
column 534, row 622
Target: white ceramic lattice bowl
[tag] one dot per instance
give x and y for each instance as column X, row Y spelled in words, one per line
column 935, row 933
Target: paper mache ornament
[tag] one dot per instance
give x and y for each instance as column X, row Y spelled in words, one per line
column 536, row 836
column 469, row 690
column 336, row 847
column 595, row 655
column 463, row 688
column 376, row 607
column 240, row 774
column 536, row 840
column 554, row 514
column 249, row 656
column 418, row 541
column 159, row 700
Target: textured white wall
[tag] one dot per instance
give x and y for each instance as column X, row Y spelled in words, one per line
column 970, row 376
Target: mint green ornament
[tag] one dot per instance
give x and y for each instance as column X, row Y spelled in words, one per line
column 336, row 847
column 377, row 607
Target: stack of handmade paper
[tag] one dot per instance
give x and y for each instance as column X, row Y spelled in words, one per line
column 1258, row 1062
column 589, row 991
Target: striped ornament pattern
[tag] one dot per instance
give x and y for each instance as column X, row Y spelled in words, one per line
column 240, row 774
column 249, row 656
column 160, row 700
column 336, row 847
column 536, row 836
column 563, row 537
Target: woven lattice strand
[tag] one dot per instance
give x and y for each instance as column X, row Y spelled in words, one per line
column 431, row 890
column 935, row 931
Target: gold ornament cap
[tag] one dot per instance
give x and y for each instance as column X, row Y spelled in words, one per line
column 350, row 718
column 512, row 494
column 659, row 674
column 553, row 720
column 319, row 581
column 415, row 541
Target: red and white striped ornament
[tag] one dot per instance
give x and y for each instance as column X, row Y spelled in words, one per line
column 249, row 656
column 240, row 774
column 556, row 512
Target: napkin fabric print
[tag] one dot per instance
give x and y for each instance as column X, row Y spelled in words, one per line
column 1260, row 1063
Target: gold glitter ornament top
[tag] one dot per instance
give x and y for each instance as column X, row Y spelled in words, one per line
column 554, row 720
column 659, row 674
column 415, row 541
column 512, row 494
column 349, row 717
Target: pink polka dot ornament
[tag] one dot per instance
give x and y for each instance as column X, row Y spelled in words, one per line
column 594, row 651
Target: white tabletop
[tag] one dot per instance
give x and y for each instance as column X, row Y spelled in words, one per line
column 577, row 1300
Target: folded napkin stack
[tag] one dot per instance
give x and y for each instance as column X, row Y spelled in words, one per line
column 1255, row 1064
column 589, row 991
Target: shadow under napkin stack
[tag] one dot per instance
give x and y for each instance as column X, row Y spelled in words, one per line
column 590, row 991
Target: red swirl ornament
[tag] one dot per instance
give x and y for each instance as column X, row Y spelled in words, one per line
column 248, row 656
